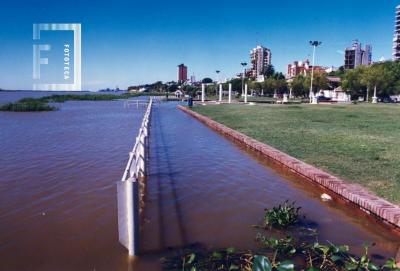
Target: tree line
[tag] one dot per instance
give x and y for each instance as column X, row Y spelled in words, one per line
column 384, row 78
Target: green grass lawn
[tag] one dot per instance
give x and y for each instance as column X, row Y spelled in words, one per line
column 359, row 143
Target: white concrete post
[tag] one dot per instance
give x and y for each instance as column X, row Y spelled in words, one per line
column 245, row 94
column 141, row 156
column 290, row 94
column 285, row 98
column 314, row 98
column 220, row 92
column 374, row 99
column 203, row 90
column 230, row 93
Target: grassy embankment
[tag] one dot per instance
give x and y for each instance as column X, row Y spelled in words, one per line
column 359, row 143
column 41, row 104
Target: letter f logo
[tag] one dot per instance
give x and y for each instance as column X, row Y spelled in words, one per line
column 37, row 60
column 37, row 48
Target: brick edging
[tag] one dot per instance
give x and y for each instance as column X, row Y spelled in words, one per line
column 354, row 193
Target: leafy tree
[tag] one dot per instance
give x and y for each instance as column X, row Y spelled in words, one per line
column 319, row 81
column 158, row 86
column 269, row 71
column 384, row 77
column 211, row 90
column 339, row 73
column 380, row 78
column 190, row 90
column 172, row 88
column 269, row 86
column 207, row 80
column 281, row 86
column 256, row 86
column 237, row 84
column 298, row 86
column 353, row 83
column 279, row 76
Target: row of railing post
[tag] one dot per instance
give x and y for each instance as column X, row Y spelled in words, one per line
column 128, row 188
column 203, row 93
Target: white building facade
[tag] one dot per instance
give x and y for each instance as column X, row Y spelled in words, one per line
column 356, row 56
column 396, row 38
column 260, row 59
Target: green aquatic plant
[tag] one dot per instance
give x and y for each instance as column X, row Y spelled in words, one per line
column 282, row 216
column 288, row 253
column 282, row 246
column 202, row 259
column 27, row 106
column 262, row 263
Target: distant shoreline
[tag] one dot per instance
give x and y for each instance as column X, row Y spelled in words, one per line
column 26, row 90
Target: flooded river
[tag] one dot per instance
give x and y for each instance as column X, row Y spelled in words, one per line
column 58, row 174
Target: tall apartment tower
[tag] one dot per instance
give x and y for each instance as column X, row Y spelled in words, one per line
column 356, row 56
column 182, row 73
column 367, row 55
column 260, row 58
column 396, row 38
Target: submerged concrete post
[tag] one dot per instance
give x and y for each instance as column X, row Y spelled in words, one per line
column 203, row 90
column 245, row 93
column 220, row 92
column 230, row 93
column 128, row 215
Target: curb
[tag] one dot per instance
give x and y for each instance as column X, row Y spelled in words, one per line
column 354, row 193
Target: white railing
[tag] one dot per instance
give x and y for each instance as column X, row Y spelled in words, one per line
column 129, row 102
column 128, row 188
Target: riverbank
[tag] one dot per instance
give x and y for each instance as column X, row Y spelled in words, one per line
column 42, row 103
column 358, row 143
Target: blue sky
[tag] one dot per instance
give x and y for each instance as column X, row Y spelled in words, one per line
column 133, row 42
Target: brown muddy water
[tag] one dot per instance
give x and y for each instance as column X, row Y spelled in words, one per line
column 58, row 174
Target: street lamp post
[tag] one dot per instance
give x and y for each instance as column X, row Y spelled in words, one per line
column 314, row 44
column 216, row 88
column 244, row 64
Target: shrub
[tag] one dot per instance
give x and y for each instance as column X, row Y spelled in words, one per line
column 27, row 106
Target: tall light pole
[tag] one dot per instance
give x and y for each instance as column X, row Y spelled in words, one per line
column 244, row 64
column 314, row 44
column 217, row 72
column 216, row 91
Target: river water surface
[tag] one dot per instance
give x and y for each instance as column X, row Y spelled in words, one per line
column 58, row 174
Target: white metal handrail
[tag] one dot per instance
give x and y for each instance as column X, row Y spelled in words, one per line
column 128, row 188
column 135, row 167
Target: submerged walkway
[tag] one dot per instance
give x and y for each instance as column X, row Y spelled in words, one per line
column 204, row 188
